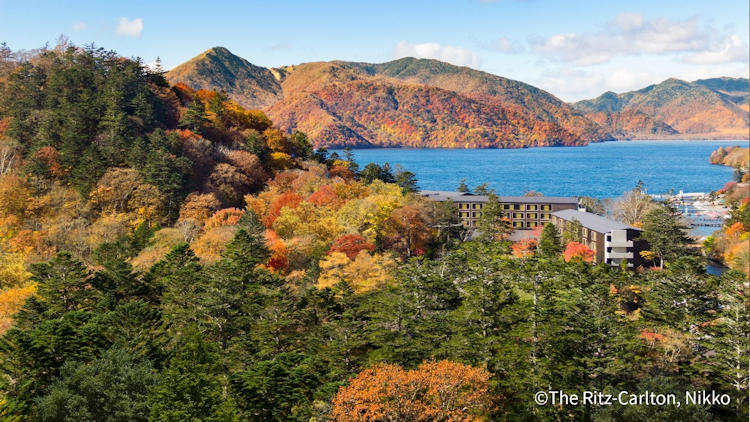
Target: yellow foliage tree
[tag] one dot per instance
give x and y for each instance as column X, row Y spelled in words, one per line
column 364, row 273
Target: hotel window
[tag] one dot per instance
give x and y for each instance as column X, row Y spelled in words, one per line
column 475, row 206
column 517, row 224
column 545, row 216
column 531, row 207
column 475, row 214
column 532, row 215
column 585, row 232
column 506, row 206
column 518, row 215
column 516, row 206
column 531, row 224
column 545, row 207
column 464, row 215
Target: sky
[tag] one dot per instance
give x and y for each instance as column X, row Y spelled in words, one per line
column 573, row 49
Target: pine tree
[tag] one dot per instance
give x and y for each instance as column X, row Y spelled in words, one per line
column 665, row 233
column 492, row 224
column 191, row 387
column 462, row 187
column 549, row 242
column 195, row 116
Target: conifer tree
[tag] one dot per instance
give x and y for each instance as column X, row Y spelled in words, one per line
column 549, row 242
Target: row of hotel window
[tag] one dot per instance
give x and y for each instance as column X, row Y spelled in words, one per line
column 515, row 224
column 514, row 216
column 513, row 207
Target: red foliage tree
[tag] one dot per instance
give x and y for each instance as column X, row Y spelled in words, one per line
column 278, row 260
column 576, row 250
column 351, row 245
column 324, row 196
column 288, row 199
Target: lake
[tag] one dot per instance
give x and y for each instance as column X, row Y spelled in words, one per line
column 600, row 170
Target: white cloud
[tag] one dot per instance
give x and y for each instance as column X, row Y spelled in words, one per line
column 570, row 84
column 624, row 79
column 504, row 45
column 130, row 28
column 79, row 26
column 455, row 55
column 730, row 49
column 628, row 34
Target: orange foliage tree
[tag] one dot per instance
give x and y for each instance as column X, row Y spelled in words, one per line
column 435, row 391
column 576, row 250
column 324, row 196
column 225, row 217
column 288, row 199
column 199, row 207
column 351, row 245
column 278, row 260
column 524, row 248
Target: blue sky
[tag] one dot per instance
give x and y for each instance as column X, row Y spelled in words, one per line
column 574, row 49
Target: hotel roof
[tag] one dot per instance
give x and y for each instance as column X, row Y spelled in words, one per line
column 593, row 222
column 440, row 195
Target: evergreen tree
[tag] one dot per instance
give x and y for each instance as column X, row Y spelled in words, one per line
column 549, row 242
column 112, row 388
column 64, row 284
column 194, row 117
column 302, row 146
column 665, row 233
column 462, row 187
column 407, row 180
column 492, row 224
column 191, row 387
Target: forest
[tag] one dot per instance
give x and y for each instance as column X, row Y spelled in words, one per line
column 168, row 255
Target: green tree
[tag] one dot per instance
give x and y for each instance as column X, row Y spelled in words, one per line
column 407, row 180
column 302, row 145
column 492, row 224
column 462, row 187
column 549, row 242
column 194, row 117
column 191, row 388
column 665, row 233
column 112, row 388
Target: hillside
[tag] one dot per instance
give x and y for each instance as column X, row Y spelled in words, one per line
column 710, row 108
column 218, row 69
column 420, row 103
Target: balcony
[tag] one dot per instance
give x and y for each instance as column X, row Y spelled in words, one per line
column 619, row 243
column 618, row 255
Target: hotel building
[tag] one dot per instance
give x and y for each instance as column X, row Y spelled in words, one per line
column 611, row 241
column 524, row 212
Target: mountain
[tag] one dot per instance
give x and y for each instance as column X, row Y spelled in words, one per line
column 406, row 102
column 218, row 69
column 708, row 108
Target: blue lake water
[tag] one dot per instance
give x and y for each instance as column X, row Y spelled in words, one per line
column 601, row 170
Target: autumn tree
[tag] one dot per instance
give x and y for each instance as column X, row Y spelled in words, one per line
column 441, row 390
column 351, row 245
column 199, row 207
column 575, row 250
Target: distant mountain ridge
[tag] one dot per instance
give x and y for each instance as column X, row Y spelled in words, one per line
column 404, row 103
column 427, row 103
column 712, row 108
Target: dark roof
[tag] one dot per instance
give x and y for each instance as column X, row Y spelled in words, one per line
column 593, row 222
column 439, row 195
